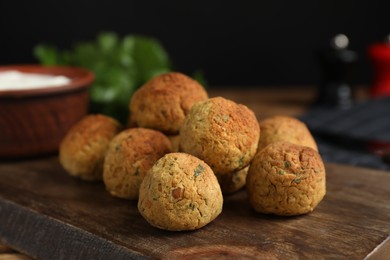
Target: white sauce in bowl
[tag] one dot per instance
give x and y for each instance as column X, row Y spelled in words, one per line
column 15, row 80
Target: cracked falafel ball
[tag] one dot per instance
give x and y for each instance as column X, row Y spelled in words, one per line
column 180, row 192
column 84, row 146
column 222, row 133
column 130, row 155
column 286, row 179
column 163, row 102
column 285, row 128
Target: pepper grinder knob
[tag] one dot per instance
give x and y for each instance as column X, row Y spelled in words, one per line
column 340, row 41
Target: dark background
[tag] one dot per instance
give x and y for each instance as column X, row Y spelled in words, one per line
column 233, row 42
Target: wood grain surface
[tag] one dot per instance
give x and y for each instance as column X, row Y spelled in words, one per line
column 49, row 215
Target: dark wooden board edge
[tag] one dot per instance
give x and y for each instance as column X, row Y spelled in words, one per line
column 382, row 251
column 56, row 240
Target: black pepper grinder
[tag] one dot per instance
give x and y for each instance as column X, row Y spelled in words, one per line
column 334, row 90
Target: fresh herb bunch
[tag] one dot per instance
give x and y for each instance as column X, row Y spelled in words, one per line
column 120, row 67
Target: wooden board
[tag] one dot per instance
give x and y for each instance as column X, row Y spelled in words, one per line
column 49, row 215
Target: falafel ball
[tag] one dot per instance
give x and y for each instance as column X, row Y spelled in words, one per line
column 130, row 155
column 286, row 179
column 222, row 133
column 232, row 182
column 285, row 128
column 83, row 148
column 180, row 192
column 164, row 101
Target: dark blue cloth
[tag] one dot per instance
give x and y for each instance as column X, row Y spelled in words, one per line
column 349, row 135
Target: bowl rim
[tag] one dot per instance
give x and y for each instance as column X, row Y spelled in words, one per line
column 81, row 78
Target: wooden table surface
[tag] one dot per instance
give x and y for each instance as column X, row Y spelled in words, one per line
column 47, row 214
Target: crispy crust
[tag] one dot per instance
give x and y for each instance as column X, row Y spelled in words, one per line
column 163, row 102
column 83, row 148
column 130, row 155
column 286, row 179
column 180, row 192
column 222, row 133
column 285, row 128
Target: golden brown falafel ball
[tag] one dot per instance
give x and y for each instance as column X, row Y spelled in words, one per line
column 83, row 148
column 130, row 155
column 286, row 179
column 180, row 192
column 163, row 102
column 285, row 128
column 222, row 133
column 232, row 182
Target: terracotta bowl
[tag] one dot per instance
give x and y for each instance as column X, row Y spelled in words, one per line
column 33, row 122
